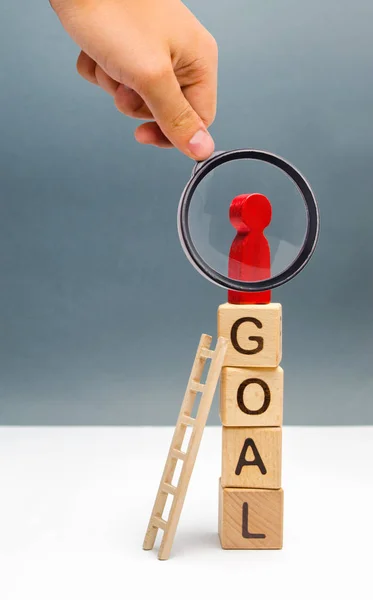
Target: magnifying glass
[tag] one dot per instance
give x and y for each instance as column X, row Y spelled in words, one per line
column 240, row 199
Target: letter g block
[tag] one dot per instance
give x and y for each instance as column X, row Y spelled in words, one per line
column 254, row 333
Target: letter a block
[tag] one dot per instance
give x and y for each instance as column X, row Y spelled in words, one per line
column 254, row 333
column 251, row 397
column 250, row 519
column 251, row 457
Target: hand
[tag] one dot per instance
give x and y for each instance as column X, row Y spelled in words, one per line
column 156, row 60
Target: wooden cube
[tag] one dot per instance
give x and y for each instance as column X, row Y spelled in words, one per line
column 254, row 332
column 250, row 519
column 251, row 457
column 251, row 397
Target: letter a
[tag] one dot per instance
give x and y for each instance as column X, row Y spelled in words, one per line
column 242, row 462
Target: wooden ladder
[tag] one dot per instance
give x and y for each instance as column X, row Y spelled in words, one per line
column 198, row 423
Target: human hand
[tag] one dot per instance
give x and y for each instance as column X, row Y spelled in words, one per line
column 156, row 60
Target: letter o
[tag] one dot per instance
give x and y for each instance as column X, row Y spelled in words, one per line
column 267, row 396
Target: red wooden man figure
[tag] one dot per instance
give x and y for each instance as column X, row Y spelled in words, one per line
column 249, row 257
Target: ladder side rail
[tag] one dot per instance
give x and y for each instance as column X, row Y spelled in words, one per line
column 201, row 418
column 177, row 439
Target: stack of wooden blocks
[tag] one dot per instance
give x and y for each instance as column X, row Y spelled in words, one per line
column 251, row 409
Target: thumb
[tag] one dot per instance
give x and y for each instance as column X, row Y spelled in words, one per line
column 175, row 116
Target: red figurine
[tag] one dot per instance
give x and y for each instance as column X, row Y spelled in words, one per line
column 249, row 257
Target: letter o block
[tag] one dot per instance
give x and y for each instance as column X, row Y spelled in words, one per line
column 251, row 397
column 254, row 333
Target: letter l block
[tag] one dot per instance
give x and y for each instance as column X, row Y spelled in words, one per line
column 250, row 519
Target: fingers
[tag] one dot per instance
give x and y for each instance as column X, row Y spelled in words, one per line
column 149, row 133
column 106, row 82
column 126, row 100
column 176, row 118
column 202, row 98
column 86, row 67
column 182, row 115
column 199, row 83
column 131, row 104
column 92, row 72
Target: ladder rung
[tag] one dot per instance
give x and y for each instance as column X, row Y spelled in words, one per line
column 178, row 454
column 186, row 420
column 167, row 487
column 206, row 353
column 197, row 387
column 160, row 523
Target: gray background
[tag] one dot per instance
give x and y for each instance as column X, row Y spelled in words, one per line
column 100, row 311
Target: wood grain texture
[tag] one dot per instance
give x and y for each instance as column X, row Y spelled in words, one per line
column 251, row 397
column 249, row 256
column 258, row 446
column 250, row 519
column 254, row 333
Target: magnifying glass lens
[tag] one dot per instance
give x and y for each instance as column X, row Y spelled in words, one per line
column 247, row 220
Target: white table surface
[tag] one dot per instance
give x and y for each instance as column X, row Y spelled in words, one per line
column 75, row 502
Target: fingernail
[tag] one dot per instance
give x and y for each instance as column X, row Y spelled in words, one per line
column 201, row 145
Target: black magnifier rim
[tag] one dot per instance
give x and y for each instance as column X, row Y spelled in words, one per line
column 312, row 231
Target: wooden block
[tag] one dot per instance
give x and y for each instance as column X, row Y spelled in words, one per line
column 254, row 333
column 251, row 457
column 250, row 519
column 251, row 397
